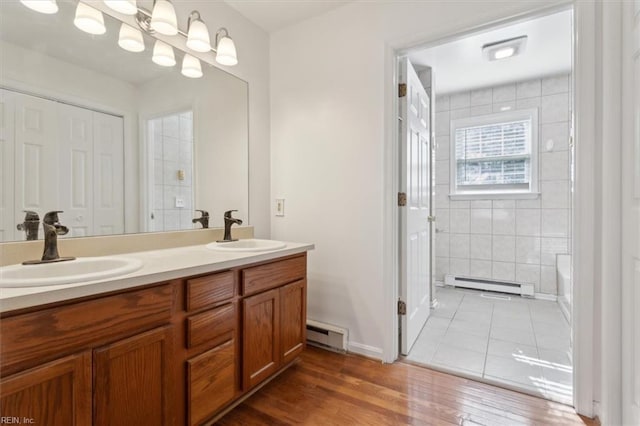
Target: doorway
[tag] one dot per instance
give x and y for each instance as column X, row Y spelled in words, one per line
column 503, row 179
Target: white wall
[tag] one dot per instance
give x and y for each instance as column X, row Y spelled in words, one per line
column 328, row 130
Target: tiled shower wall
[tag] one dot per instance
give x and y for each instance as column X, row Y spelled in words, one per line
column 173, row 151
column 508, row 239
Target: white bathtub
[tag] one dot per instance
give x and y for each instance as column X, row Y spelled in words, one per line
column 563, row 272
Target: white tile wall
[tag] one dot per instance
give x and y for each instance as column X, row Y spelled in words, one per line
column 508, row 239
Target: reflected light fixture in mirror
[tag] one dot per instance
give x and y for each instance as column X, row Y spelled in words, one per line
column 225, row 48
column 130, row 39
column 89, row 20
column 163, row 54
column 191, row 67
column 126, row 7
column 163, row 18
column 197, row 33
column 43, row 6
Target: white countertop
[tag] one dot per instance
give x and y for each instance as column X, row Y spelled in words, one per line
column 158, row 266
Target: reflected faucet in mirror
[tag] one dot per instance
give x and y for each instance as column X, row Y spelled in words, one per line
column 203, row 219
column 228, row 221
column 52, row 228
column 30, row 225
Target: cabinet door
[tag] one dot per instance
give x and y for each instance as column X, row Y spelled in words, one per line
column 261, row 337
column 212, row 381
column 131, row 380
column 56, row 393
column 293, row 318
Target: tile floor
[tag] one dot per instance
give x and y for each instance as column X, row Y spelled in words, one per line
column 522, row 343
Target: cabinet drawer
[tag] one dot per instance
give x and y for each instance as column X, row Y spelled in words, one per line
column 212, row 381
column 209, row 290
column 264, row 277
column 208, row 325
column 37, row 337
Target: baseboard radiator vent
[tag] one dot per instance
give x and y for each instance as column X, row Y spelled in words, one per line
column 327, row 336
column 523, row 289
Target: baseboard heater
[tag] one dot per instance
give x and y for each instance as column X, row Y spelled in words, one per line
column 523, row 289
column 327, row 336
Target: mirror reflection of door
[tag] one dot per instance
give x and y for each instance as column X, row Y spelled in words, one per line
column 171, row 184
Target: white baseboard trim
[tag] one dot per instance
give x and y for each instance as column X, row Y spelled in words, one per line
column 366, row 350
column 545, row 296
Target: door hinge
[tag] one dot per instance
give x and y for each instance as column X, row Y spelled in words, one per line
column 431, row 219
column 402, row 90
column 402, row 307
column 402, row 199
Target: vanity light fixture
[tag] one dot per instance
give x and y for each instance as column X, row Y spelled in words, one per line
column 48, row 7
column 89, row 20
column 191, row 67
column 197, row 33
column 163, row 18
column 225, row 48
column 504, row 48
column 126, row 7
column 130, row 39
column 163, row 54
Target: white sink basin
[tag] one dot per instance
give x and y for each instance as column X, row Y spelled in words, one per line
column 68, row 272
column 251, row 244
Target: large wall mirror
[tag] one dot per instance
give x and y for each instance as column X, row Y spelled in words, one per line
column 118, row 143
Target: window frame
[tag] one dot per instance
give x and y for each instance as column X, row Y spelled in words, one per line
column 496, row 191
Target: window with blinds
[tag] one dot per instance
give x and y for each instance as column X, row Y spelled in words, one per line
column 494, row 153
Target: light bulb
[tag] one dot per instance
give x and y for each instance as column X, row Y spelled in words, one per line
column 504, row 52
column 163, row 18
column 89, row 19
column 43, row 6
column 191, row 67
column 226, row 52
column 163, row 54
column 198, row 37
column 126, row 7
column 130, row 39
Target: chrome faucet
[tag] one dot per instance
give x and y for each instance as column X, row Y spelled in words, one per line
column 203, row 219
column 30, row 225
column 228, row 221
column 52, row 228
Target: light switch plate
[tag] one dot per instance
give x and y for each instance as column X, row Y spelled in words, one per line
column 279, row 206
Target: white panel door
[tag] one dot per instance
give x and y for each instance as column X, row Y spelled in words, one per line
column 75, row 149
column 631, row 213
column 36, row 156
column 108, row 187
column 415, row 233
column 8, row 220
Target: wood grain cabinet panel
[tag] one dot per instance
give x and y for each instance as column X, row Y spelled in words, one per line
column 210, row 290
column 205, row 327
column 131, row 380
column 57, row 393
column 293, row 320
column 212, row 381
column 261, row 337
column 274, row 274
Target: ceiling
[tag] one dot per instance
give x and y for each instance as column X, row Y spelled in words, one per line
column 273, row 15
column 460, row 65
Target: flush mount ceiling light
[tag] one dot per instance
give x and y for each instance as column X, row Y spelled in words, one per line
column 163, row 54
column 191, row 67
column 43, row 6
column 126, row 7
column 89, row 19
column 130, row 39
column 163, row 18
column 225, row 48
column 198, row 34
column 505, row 48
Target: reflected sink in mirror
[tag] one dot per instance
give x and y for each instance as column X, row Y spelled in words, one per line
column 248, row 245
column 74, row 271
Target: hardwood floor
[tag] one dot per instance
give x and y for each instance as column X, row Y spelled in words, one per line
column 324, row 388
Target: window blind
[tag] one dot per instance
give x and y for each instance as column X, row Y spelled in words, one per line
column 494, row 154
